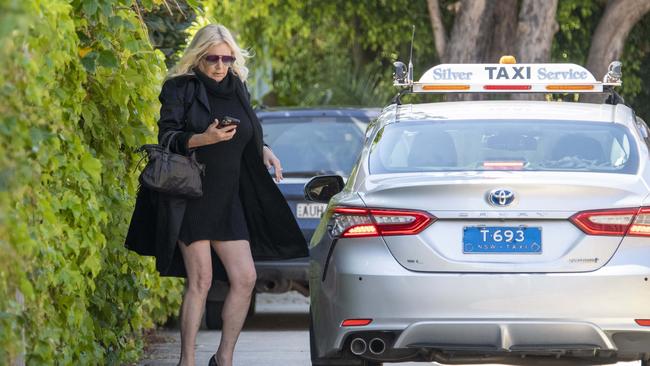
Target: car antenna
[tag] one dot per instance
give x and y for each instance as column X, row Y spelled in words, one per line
column 410, row 70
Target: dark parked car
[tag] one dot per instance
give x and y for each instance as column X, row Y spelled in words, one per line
column 308, row 142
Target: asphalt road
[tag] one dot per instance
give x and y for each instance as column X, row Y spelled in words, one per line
column 277, row 335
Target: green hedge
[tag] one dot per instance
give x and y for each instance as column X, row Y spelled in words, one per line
column 78, row 94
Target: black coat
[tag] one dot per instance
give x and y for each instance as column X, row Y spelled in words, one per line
column 157, row 218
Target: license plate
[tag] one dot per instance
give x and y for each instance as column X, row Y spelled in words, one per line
column 310, row 210
column 502, row 239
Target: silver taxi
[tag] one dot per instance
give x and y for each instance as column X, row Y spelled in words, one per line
column 492, row 231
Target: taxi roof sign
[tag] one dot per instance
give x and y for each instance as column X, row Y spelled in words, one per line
column 510, row 78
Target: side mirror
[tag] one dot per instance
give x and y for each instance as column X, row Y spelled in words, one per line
column 614, row 72
column 323, row 187
column 399, row 76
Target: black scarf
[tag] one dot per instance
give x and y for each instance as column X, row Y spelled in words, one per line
column 222, row 89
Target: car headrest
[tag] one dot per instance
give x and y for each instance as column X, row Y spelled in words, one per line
column 578, row 145
column 432, row 148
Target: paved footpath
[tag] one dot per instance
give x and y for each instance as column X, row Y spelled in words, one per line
column 277, row 335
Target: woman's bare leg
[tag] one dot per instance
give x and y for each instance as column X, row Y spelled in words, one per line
column 198, row 263
column 238, row 262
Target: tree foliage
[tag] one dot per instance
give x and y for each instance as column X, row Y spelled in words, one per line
column 79, row 85
column 636, row 58
column 315, row 48
column 167, row 25
column 78, row 95
column 578, row 20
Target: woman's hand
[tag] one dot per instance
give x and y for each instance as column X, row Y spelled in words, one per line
column 212, row 135
column 270, row 160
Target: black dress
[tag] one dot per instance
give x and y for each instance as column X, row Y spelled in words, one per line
column 218, row 215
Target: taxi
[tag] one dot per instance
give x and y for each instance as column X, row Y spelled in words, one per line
column 488, row 231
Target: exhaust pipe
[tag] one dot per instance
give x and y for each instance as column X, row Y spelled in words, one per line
column 358, row 346
column 377, row 346
column 274, row 286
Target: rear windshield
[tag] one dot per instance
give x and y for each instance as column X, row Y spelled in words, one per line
column 430, row 146
column 315, row 145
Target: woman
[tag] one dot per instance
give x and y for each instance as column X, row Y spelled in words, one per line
column 241, row 214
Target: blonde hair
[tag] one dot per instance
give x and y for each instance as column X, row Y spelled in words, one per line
column 205, row 38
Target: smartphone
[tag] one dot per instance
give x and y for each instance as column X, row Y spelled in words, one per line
column 227, row 121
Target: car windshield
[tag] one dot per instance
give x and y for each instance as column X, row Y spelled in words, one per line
column 534, row 145
column 309, row 146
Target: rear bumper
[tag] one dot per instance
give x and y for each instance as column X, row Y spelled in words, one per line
column 506, row 314
column 520, row 336
column 277, row 276
column 290, row 269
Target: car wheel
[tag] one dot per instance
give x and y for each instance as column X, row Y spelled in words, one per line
column 213, row 315
column 317, row 361
column 251, row 308
column 213, row 311
column 645, row 363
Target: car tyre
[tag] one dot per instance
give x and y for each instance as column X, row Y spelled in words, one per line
column 213, row 311
column 251, row 307
column 645, row 363
column 316, row 361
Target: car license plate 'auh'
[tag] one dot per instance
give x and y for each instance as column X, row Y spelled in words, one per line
column 310, row 210
column 502, row 240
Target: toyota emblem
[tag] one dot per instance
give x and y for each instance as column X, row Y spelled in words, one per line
column 501, row 197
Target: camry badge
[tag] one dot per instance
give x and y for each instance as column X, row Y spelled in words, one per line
column 501, row 197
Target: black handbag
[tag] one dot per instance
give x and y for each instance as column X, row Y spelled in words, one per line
column 171, row 173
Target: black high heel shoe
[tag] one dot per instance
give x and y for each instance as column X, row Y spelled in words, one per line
column 213, row 360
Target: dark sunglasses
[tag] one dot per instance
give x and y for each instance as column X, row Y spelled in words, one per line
column 213, row 59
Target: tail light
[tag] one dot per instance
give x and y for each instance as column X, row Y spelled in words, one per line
column 641, row 224
column 349, row 222
column 616, row 222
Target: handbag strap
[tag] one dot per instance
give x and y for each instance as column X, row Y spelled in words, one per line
column 168, row 136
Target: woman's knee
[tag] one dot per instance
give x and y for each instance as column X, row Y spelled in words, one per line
column 201, row 282
column 244, row 281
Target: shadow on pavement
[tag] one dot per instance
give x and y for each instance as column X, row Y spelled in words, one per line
column 277, row 321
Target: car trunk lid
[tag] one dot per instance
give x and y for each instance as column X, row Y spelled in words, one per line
column 533, row 233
